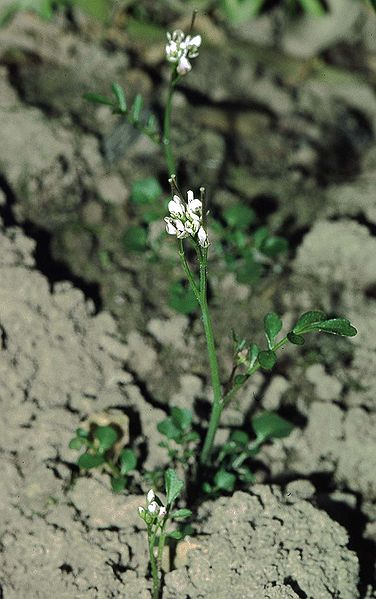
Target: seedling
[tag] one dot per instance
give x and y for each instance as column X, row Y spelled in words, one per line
column 99, row 453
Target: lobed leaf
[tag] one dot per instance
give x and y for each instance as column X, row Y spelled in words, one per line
column 272, row 326
column 88, row 460
column 118, row 483
column 270, row 425
column 307, row 319
column 181, row 514
column 181, row 417
column 224, row 480
column 173, row 485
column 128, row 460
column 267, row 359
column 107, row 437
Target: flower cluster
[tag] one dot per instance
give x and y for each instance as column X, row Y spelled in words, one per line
column 180, row 48
column 153, row 511
column 186, row 219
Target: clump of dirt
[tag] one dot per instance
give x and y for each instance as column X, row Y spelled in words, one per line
column 262, row 544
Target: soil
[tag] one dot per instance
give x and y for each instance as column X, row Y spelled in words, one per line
column 279, row 114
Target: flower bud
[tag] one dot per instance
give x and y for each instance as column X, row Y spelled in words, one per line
column 150, row 496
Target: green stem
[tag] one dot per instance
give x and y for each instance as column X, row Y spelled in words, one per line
column 214, row 370
column 188, row 272
column 153, row 563
column 171, row 166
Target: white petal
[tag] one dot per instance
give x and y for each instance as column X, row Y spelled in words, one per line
column 202, row 238
column 190, row 195
column 141, row 511
column 179, row 225
column 194, row 205
column 153, row 507
column 195, row 41
column 170, row 229
column 184, row 66
column 176, row 207
column 150, row 496
column 162, row 511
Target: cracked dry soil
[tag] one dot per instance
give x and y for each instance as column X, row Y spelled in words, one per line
column 291, row 137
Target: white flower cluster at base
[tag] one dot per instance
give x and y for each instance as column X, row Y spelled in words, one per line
column 153, row 510
column 180, row 48
column 186, row 219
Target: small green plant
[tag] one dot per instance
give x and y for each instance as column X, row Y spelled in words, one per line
column 99, row 9
column 232, row 461
column 217, row 468
column 100, row 453
column 156, row 516
column 180, row 437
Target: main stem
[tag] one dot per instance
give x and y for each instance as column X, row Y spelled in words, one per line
column 171, row 167
column 213, row 362
column 153, row 562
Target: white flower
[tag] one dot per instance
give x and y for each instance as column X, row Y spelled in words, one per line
column 202, row 237
column 162, row 511
column 141, row 511
column 176, row 207
column 150, row 496
column 180, row 48
column 184, row 66
column 186, row 219
column 153, row 507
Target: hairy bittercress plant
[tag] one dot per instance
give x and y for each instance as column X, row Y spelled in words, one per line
column 219, row 469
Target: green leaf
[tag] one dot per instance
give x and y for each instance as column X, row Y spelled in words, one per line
column 99, row 9
column 249, row 271
column 307, row 319
column 128, row 460
column 135, row 239
column 181, row 417
column 182, row 299
column 146, row 191
column 225, row 481
column 274, row 245
column 181, row 514
column 118, row 483
column 270, row 425
column 120, row 97
column 295, row 339
column 168, row 429
column 239, row 216
column 252, row 355
column 239, row 437
column 207, row 488
column 173, row 485
column 313, row 7
column 136, row 108
column 191, row 437
column 337, row 326
column 87, row 461
column 107, row 437
column 267, row 359
column 81, row 432
column 259, row 237
column 76, row 443
column 98, row 99
column 175, row 534
column 272, row 326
